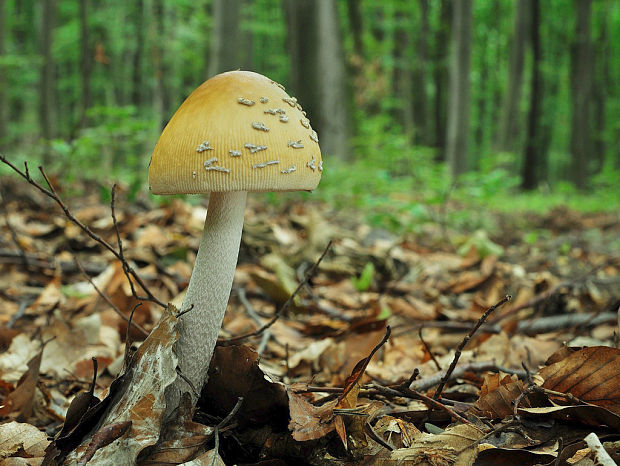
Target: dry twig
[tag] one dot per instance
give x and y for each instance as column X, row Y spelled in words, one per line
column 460, row 348
column 52, row 194
column 285, row 306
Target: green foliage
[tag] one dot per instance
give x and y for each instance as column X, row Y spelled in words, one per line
column 483, row 244
column 364, row 281
column 114, row 148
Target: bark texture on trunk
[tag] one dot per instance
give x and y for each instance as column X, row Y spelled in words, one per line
column 458, row 104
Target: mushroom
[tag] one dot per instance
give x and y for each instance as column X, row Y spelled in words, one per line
column 240, row 156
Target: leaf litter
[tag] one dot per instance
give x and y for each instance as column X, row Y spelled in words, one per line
column 319, row 385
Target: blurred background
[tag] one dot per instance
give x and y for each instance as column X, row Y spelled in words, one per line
column 415, row 102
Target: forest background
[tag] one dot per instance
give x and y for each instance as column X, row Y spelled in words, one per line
column 415, row 102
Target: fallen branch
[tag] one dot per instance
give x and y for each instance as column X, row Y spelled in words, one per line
column 482, row 366
column 109, row 301
column 460, row 348
column 564, row 321
column 285, row 306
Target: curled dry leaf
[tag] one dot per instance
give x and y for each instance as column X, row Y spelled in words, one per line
column 590, row 374
column 498, row 394
column 234, row 373
column 153, row 367
column 183, row 439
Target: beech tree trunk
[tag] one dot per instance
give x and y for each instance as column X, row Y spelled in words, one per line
column 419, row 101
column 161, row 93
column 458, row 104
column 535, row 149
column 136, row 72
column 354, row 14
column 510, row 118
column 318, row 75
column 86, row 63
column 600, row 90
column 441, row 78
column 226, row 37
column 46, row 78
column 402, row 74
column 581, row 94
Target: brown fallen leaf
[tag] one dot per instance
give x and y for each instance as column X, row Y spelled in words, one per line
column 19, row 403
column 151, row 369
column 234, row 372
column 455, row 445
column 348, row 400
column 586, row 414
column 309, row 422
column 22, row 440
column 104, row 437
column 497, row 396
column 591, row 374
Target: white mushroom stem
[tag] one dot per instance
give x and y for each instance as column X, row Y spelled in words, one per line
column 209, row 289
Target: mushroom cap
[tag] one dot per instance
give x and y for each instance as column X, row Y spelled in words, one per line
column 238, row 131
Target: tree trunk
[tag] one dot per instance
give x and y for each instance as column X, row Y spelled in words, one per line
column 161, row 93
column 86, row 63
column 600, row 89
column 418, row 93
column 3, row 80
column 402, row 74
column 440, row 78
column 531, row 175
column 137, row 81
column 226, row 37
column 581, row 88
column 46, row 79
column 354, row 14
column 334, row 117
column 510, row 117
column 318, row 71
column 458, row 105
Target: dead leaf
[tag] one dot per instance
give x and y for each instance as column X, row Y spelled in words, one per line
column 497, row 396
column 591, row 374
column 22, row 440
column 19, row 403
column 309, row 422
column 234, row 372
column 456, row 445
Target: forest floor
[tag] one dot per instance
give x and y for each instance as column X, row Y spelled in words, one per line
column 351, row 370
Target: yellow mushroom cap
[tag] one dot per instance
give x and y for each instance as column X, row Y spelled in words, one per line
column 238, row 131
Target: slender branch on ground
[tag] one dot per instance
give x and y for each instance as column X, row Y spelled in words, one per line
column 550, row 292
column 360, row 371
column 489, row 434
column 283, row 308
column 415, row 395
column 109, row 301
column 428, row 349
column 466, row 340
column 479, row 366
column 446, row 325
column 128, row 336
column 221, row 425
column 121, row 254
column 256, row 318
column 52, row 194
column 564, row 321
column 412, row 377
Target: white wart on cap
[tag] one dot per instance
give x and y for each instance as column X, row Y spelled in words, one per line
column 238, row 131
